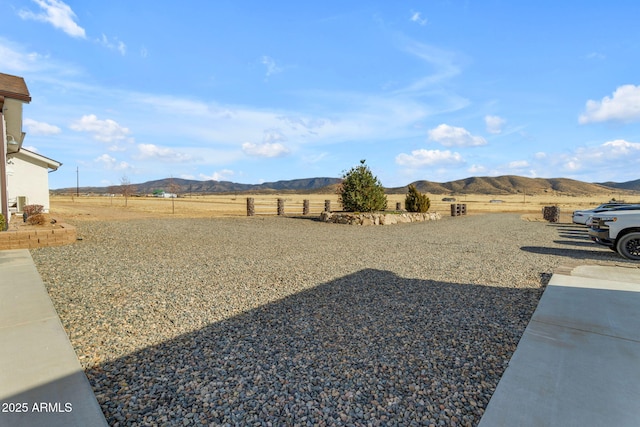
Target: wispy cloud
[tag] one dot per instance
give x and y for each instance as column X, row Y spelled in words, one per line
column 165, row 154
column 445, row 65
column 450, row 136
column 111, row 163
column 16, row 59
column 518, row 164
column 222, row 175
column 417, row 18
column 595, row 55
column 494, row 124
column 622, row 106
column 114, row 44
column 265, row 149
column 271, row 66
column 56, row 13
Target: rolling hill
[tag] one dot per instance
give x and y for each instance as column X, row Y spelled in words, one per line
column 500, row 185
column 629, row 185
column 508, row 184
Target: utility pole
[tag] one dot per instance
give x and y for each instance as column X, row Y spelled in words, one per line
column 77, row 181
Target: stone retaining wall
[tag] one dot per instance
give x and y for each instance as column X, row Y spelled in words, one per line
column 377, row 218
column 65, row 234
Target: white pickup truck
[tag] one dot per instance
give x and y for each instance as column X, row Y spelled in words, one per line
column 619, row 230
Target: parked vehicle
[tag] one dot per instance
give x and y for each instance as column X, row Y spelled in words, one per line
column 581, row 216
column 618, row 230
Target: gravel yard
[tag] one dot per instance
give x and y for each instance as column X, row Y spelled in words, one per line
column 285, row 321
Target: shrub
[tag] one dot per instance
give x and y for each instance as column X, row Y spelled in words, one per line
column 33, row 209
column 416, row 201
column 37, row 219
column 361, row 191
column 3, row 223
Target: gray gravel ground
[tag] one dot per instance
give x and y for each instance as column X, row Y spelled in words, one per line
column 285, row 321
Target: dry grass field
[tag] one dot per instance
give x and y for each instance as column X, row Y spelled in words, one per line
column 114, row 208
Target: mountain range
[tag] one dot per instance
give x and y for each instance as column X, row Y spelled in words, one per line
column 508, row 184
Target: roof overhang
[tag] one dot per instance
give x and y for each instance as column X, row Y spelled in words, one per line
column 14, row 87
column 50, row 163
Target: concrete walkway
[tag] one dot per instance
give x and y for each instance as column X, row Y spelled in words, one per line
column 41, row 380
column 578, row 362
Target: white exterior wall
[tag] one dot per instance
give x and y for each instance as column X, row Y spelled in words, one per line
column 28, row 177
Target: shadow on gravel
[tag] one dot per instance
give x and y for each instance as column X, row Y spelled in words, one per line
column 586, row 243
column 595, row 253
column 370, row 347
column 575, row 236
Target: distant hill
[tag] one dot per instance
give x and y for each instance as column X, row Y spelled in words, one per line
column 630, row 185
column 499, row 185
column 508, row 184
column 184, row 186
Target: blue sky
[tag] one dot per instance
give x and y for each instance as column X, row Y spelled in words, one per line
column 252, row 91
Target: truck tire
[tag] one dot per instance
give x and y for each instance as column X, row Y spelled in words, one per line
column 629, row 246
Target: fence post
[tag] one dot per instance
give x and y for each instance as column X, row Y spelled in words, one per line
column 327, row 205
column 398, row 206
column 251, row 207
column 280, row 206
column 305, row 207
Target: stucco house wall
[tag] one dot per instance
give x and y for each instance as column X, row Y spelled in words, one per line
column 22, row 172
column 28, row 175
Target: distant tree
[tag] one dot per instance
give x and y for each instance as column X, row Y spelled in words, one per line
column 361, row 191
column 174, row 188
column 111, row 190
column 416, row 201
column 126, row 188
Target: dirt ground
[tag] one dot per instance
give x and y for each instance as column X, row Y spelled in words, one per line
column 100, row 208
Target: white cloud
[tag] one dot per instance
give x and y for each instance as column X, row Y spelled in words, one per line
column 518, row 164
column 56, row 13
column 450, row 136
column 540, row 155
column 113, row 45
column 40, row 128
column 222, row 175
column 417, row 18
column 476, row 169
column 102, row 130
column 111, row 163
column 422, row 157
column 152, row 151
column 265, row 149
column 494, row 124
column 617, row 154
column 271, row 66
column 623, row 106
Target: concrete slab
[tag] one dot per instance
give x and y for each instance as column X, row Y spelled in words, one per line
column 41, row 380
column 577, row 362
column 608, row 272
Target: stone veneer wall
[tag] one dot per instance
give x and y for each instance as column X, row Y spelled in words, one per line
column 377, row 218
column 30, row 239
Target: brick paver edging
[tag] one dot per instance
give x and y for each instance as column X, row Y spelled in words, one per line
column 30, row 239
